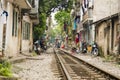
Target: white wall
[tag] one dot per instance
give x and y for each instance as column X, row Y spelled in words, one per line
column 104, row 8
column 1, row 29
column 11, row 41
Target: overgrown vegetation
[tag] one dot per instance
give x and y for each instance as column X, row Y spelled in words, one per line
column 34, row 53
column 109, row 58
column 5, row 69
column 101, row 53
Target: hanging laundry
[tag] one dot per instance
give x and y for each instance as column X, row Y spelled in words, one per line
column 81, row 14
column 83, row 10
column 83, row 6
column 74, row 25
column 6, row 13
column 86, row 3
column 4, row 17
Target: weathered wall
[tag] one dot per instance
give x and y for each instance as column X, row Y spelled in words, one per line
column 100, row 37
column 11, row 41
column 27, row 44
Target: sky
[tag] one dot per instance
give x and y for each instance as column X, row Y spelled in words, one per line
column 53, row 19
column 53, row 14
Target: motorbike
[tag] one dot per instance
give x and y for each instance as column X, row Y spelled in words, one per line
column 84, row 50
column 95, row 50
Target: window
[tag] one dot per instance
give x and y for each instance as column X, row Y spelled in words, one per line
column 26, row 30
column 15, row 23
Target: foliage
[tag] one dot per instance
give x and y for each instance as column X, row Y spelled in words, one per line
column 39, row 29
column 58, row 30
column 52, row 33
column 42, row 20
column 45, row 9
column 62, row 16
column 34, row 53
column 5, row 69
column 55, row 31
column 50, row 6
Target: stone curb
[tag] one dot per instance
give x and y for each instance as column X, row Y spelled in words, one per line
column 8, row 78
column 17, row 60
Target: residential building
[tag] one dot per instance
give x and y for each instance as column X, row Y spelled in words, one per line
column 106, row 22
column 86, row 19
column 16, row 32
column 100, row 23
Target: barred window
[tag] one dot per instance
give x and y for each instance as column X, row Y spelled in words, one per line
column 26, row 30
column 15, row 23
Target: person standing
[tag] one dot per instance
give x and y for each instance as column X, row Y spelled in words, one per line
column 77, row 40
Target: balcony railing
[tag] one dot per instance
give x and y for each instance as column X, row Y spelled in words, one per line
column 87, row 15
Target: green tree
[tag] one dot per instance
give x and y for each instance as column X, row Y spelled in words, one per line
column 58, row 30
column 64, row 17
column 50, row 6
column 38, row 30
column 45, row 9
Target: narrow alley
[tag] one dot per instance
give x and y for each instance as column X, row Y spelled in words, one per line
column 59, row 40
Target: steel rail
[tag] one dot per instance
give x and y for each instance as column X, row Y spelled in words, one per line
column 93, row 66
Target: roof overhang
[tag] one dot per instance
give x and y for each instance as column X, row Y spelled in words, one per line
column 21, row 3
column 106, row 18
column 86, row 20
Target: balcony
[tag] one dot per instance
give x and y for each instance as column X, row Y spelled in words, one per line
column 34, row 15
column 87, row 16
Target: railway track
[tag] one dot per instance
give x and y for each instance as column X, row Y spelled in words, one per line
column 75, row 69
